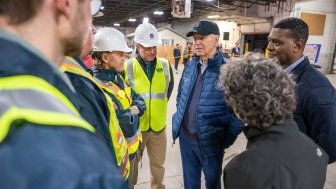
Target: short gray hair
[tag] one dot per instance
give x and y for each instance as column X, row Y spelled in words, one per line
column 258, row 90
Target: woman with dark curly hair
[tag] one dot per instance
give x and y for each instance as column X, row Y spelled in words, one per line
column 278, row 155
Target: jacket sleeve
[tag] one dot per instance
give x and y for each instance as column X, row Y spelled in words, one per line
column 232, row 132
column 171, row 82
column 129, row 123
column 320, row 111
column 139, row 102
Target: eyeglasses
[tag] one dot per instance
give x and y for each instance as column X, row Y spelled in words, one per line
column 148, row 48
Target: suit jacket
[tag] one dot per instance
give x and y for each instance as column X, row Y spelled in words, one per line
column 316, row 107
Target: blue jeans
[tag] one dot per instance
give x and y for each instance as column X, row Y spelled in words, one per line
column 193, row 163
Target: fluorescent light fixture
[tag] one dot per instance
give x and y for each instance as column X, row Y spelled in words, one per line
column 209, row 0
column 116, row 24
column 132, row 19
column 102, row 8
column 213, row 16
column 158, row 12
column 145, row 20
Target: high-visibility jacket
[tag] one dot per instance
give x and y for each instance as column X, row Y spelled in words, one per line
column 154, row 92
column 125, row 98
column 36, row 111
column 118, row 140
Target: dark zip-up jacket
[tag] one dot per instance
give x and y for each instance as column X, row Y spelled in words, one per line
column 280, row 157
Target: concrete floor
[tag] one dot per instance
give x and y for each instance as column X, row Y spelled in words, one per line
column 173, row 175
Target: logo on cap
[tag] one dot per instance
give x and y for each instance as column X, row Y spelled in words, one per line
column 151, row 36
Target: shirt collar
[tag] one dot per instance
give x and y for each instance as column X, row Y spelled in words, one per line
column 292, row 66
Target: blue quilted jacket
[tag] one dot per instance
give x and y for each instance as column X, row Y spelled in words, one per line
column 217, row 126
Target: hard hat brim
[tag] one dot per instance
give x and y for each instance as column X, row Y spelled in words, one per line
column 153, row 44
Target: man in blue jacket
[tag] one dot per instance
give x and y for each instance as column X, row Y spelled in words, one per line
column 204, row 122
column 315, row 112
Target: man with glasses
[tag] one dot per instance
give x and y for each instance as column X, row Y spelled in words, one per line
column 152, row 78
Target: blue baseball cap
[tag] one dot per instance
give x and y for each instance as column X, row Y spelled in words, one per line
column 205, row 28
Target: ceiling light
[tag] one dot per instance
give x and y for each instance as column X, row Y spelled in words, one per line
column 116, row 24
column 209, row 0
column 132, row 19
column 145, row 20
column 102, row 8
column 158, row 12
column 213, row 16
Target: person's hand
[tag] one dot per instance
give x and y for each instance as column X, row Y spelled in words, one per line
column 134, row 110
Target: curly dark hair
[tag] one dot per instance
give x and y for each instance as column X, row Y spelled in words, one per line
column 299, row 28
column 98, row 60
column 258, row 90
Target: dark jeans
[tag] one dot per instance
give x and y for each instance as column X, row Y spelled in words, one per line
column 176, row 63
column 193, row 163
column 185, row 61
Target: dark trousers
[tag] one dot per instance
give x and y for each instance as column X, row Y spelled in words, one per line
column 176, row 63
column 193, row 163
column 185, row 61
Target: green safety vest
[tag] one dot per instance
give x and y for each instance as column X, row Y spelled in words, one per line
column 118, row 140
column 154, row 93
column 125, row 98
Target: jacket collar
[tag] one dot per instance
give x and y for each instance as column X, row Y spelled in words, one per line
column 106, row 75
column 216, row 60
column 287, row 126
column 299, row 68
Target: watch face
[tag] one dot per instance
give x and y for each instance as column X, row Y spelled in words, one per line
column 95, row 6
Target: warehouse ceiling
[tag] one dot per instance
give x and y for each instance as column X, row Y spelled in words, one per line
column 120, row 11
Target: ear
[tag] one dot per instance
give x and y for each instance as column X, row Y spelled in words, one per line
column 105, row 57
column 299, row 45
column 137, row 46
column 63, row 7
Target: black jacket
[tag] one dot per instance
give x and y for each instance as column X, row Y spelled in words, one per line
column 316, row 107
column 280, row 157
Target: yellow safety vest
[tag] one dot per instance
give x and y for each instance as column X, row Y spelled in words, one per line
column 118, row 140
column 125, row 98
column 46, row 105
column 154, row 93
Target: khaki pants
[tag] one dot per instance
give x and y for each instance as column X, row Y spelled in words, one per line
column 156, row 144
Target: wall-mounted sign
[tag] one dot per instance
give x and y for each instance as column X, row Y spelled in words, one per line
column 181, row 8
column 312, row 52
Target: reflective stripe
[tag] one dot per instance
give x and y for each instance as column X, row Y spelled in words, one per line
column 31, row 99
column 37, row 100
column 118, row 140
column 70, row 65
column 33, row 83
column 153, row 96
column 166, row 73
column 130, row 72
column 15, row 114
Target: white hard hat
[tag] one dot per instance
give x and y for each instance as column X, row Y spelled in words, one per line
column 110, row 39
column 147, row 35
column 95, row 6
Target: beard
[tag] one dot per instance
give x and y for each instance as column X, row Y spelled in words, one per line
column 74, row 43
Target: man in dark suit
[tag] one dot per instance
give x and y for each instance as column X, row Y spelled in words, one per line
column 315, row 112
column 235, row 52
column 177, row 56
